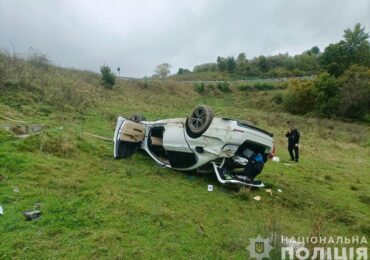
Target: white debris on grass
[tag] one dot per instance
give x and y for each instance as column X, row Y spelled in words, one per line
column 275, row 159
column 1, row 211
column 288, row 164
column 210, row 187
column 279, row 190
column 257, row 198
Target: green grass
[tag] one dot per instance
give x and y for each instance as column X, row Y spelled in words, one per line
column 96, row 207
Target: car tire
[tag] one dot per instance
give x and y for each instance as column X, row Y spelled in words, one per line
column 199, row 120
column 137, row 117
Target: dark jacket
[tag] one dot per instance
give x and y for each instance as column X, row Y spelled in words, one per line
column 293, row 137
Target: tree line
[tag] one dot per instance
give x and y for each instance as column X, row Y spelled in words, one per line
column 342, row 88
column 334, row 59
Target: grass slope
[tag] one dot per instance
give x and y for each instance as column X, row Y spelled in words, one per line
column 96, row 207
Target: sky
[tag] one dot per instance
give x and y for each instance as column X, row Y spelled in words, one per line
column 137, row 35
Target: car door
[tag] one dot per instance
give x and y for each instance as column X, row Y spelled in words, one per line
column 179, row 154
column 128, row 136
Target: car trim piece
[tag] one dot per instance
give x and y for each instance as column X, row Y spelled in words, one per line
column 215, row 167
column 254, row 128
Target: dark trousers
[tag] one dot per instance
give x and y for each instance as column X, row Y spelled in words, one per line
column 294, row 156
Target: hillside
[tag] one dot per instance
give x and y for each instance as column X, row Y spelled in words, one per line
column 96, row 207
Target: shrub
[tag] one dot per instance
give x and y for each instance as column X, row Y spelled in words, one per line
column 199, row 87
column 108, row 78
column 326, row 92
column 57, row 143
column 224, row 87
column 354, row 96
column 277, row 98
column 300, row 98
column 39, row 60
column 263, row 86
column 244, row 87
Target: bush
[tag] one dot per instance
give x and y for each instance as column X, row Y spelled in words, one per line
column 57, row 143
column 326, row 93
column 354, row 96
column 263, row 86
column 224, row 87
column 244, row 87
column 39, row 60
column 277, row 98
column 199, row 87
column 108, row 78
column 300, row 98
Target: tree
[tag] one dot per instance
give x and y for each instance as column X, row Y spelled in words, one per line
column 163, row 70
column 241, row 57
column 357, row 45
column 221, row 64
column 230, row 64
column 108, row 78
column 241, row 63
column 314, row 51
column 182, row 71
column 334, row 59
column 354, row 49
column 262, row 63
column 354, row 99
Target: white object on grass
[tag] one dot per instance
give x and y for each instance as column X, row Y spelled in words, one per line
column 288, row 164
column 1, row 211
column 257, row 198
column 275, row 159
column 279, row 190
column 210, row 187
column 269, row 191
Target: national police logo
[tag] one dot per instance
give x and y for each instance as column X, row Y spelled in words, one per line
column 259, row 248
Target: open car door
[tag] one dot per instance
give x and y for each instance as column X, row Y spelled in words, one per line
column 128, row 136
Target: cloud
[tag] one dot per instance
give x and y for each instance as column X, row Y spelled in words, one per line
column 138, row 35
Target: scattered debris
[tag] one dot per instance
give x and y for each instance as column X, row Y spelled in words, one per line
column 275, row 159
column 269, row 191
column 1, row 211
column 210, row 187
column 288, row 164
column 32, row 214
column 37, row 205
column 16, row 189
column 257, row 198
column 279, row 190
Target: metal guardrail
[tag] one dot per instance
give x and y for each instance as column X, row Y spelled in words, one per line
column 221, row 81
column 248, row 80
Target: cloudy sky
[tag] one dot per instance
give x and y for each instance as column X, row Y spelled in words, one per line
column 137, row 35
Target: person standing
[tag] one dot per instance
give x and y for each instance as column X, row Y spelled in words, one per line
column 293, row 141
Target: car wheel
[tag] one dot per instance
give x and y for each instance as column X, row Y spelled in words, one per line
column 199, row 120
column 137, row 117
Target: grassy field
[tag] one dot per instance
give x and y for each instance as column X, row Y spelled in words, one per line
column 96, row 207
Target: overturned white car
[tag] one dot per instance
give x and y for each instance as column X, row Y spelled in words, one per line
column 234, row 150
